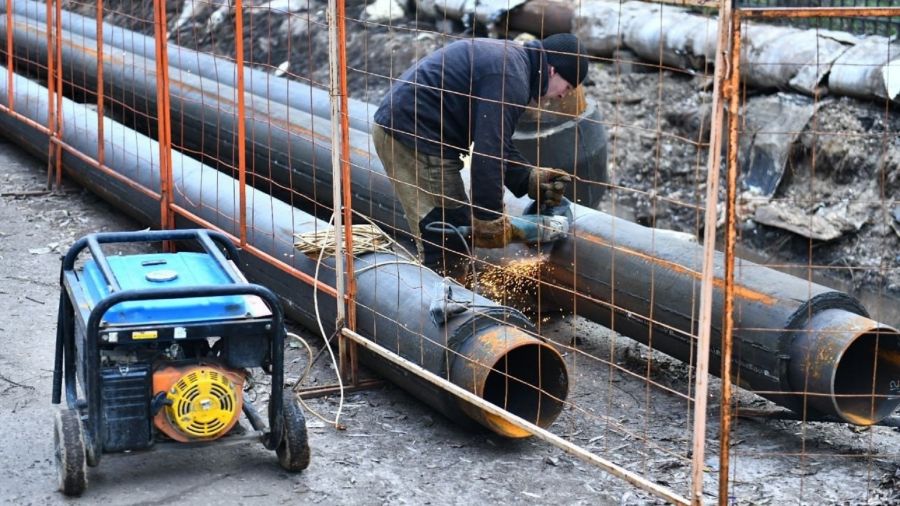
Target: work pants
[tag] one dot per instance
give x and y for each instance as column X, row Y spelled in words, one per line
column 430, row 189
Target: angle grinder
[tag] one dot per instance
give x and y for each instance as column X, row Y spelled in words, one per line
column 560, row 219
column 540, row 222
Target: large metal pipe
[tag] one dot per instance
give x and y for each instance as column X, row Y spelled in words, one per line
column 572, row 140
column 797, row 343
column 538, row 17
column 485, row 351
column 286, row 147
column 613, row 271
column 283, row 91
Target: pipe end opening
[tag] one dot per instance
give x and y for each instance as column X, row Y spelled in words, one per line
column 529, row 381
column 867, row 380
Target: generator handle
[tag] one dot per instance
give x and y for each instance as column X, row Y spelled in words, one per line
column 206, row 238
column 103, row 264
column 92, row 374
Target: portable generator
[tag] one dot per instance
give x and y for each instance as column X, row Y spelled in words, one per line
column 160, row 345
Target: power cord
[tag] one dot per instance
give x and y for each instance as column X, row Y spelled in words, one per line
column 334, row 363
column 442, row 227
column 296, row 387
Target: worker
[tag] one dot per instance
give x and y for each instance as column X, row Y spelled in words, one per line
column 466, row 98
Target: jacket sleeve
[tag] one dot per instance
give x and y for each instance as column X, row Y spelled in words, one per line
column 496, row 162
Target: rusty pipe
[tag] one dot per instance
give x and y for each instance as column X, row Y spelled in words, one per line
column 848, row 387
column 486, row 351
column 522, row 359
column 540, row 17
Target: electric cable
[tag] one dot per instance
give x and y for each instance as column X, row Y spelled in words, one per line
column 310, row 357
column 309, row 364
column 334, row 363
column 442, row 227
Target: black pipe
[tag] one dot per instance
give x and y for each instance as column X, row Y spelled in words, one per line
column 475, row 349
column 797, row 343
column 302, row 96
column 576, row 143
column 286, row 147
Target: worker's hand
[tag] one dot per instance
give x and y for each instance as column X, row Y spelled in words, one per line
column 529, row 229
column 491, row 233
column 547, row 186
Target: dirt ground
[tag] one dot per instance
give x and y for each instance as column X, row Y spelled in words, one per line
column 396, row 451
column 393, row 451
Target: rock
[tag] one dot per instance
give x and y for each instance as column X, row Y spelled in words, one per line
column 383, row 11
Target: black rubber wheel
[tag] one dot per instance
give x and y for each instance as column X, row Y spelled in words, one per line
column 293, row 452
column 68, row 443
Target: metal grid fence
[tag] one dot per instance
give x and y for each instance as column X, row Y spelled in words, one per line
column 237, row 133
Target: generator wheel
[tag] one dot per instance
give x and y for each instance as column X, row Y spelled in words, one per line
column 69, row 447
column 293, row 452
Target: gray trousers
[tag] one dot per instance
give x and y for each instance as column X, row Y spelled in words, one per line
column 422, row 182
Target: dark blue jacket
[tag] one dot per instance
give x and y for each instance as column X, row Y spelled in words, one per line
column 473, row 89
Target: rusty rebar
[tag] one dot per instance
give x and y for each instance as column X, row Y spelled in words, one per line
column 732, row 94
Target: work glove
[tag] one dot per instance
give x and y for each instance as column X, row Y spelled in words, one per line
column 547, row 186
column 529, row 229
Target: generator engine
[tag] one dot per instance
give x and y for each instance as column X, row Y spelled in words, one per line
column 188, row 393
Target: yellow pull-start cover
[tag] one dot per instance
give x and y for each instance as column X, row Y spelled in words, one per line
column 205, row 401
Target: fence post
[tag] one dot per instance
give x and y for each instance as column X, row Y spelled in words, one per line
column 167, row 218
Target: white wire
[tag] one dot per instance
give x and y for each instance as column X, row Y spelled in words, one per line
column 382, row 264
column 296, row 386
column 337, row 370
column 309, row 362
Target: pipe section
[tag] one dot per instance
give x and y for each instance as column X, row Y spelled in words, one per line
column 839, row 370
column 574, row 141
column 636, row 280
column 485, row 351
column 795, row 342
column 287, row 148
column 568, row 134
column 539, row 17
column 258, row 82
column 502, row 18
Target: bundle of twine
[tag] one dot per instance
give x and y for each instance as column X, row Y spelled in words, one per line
column 366, row 238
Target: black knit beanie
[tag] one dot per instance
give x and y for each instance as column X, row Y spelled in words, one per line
column 563, row 54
